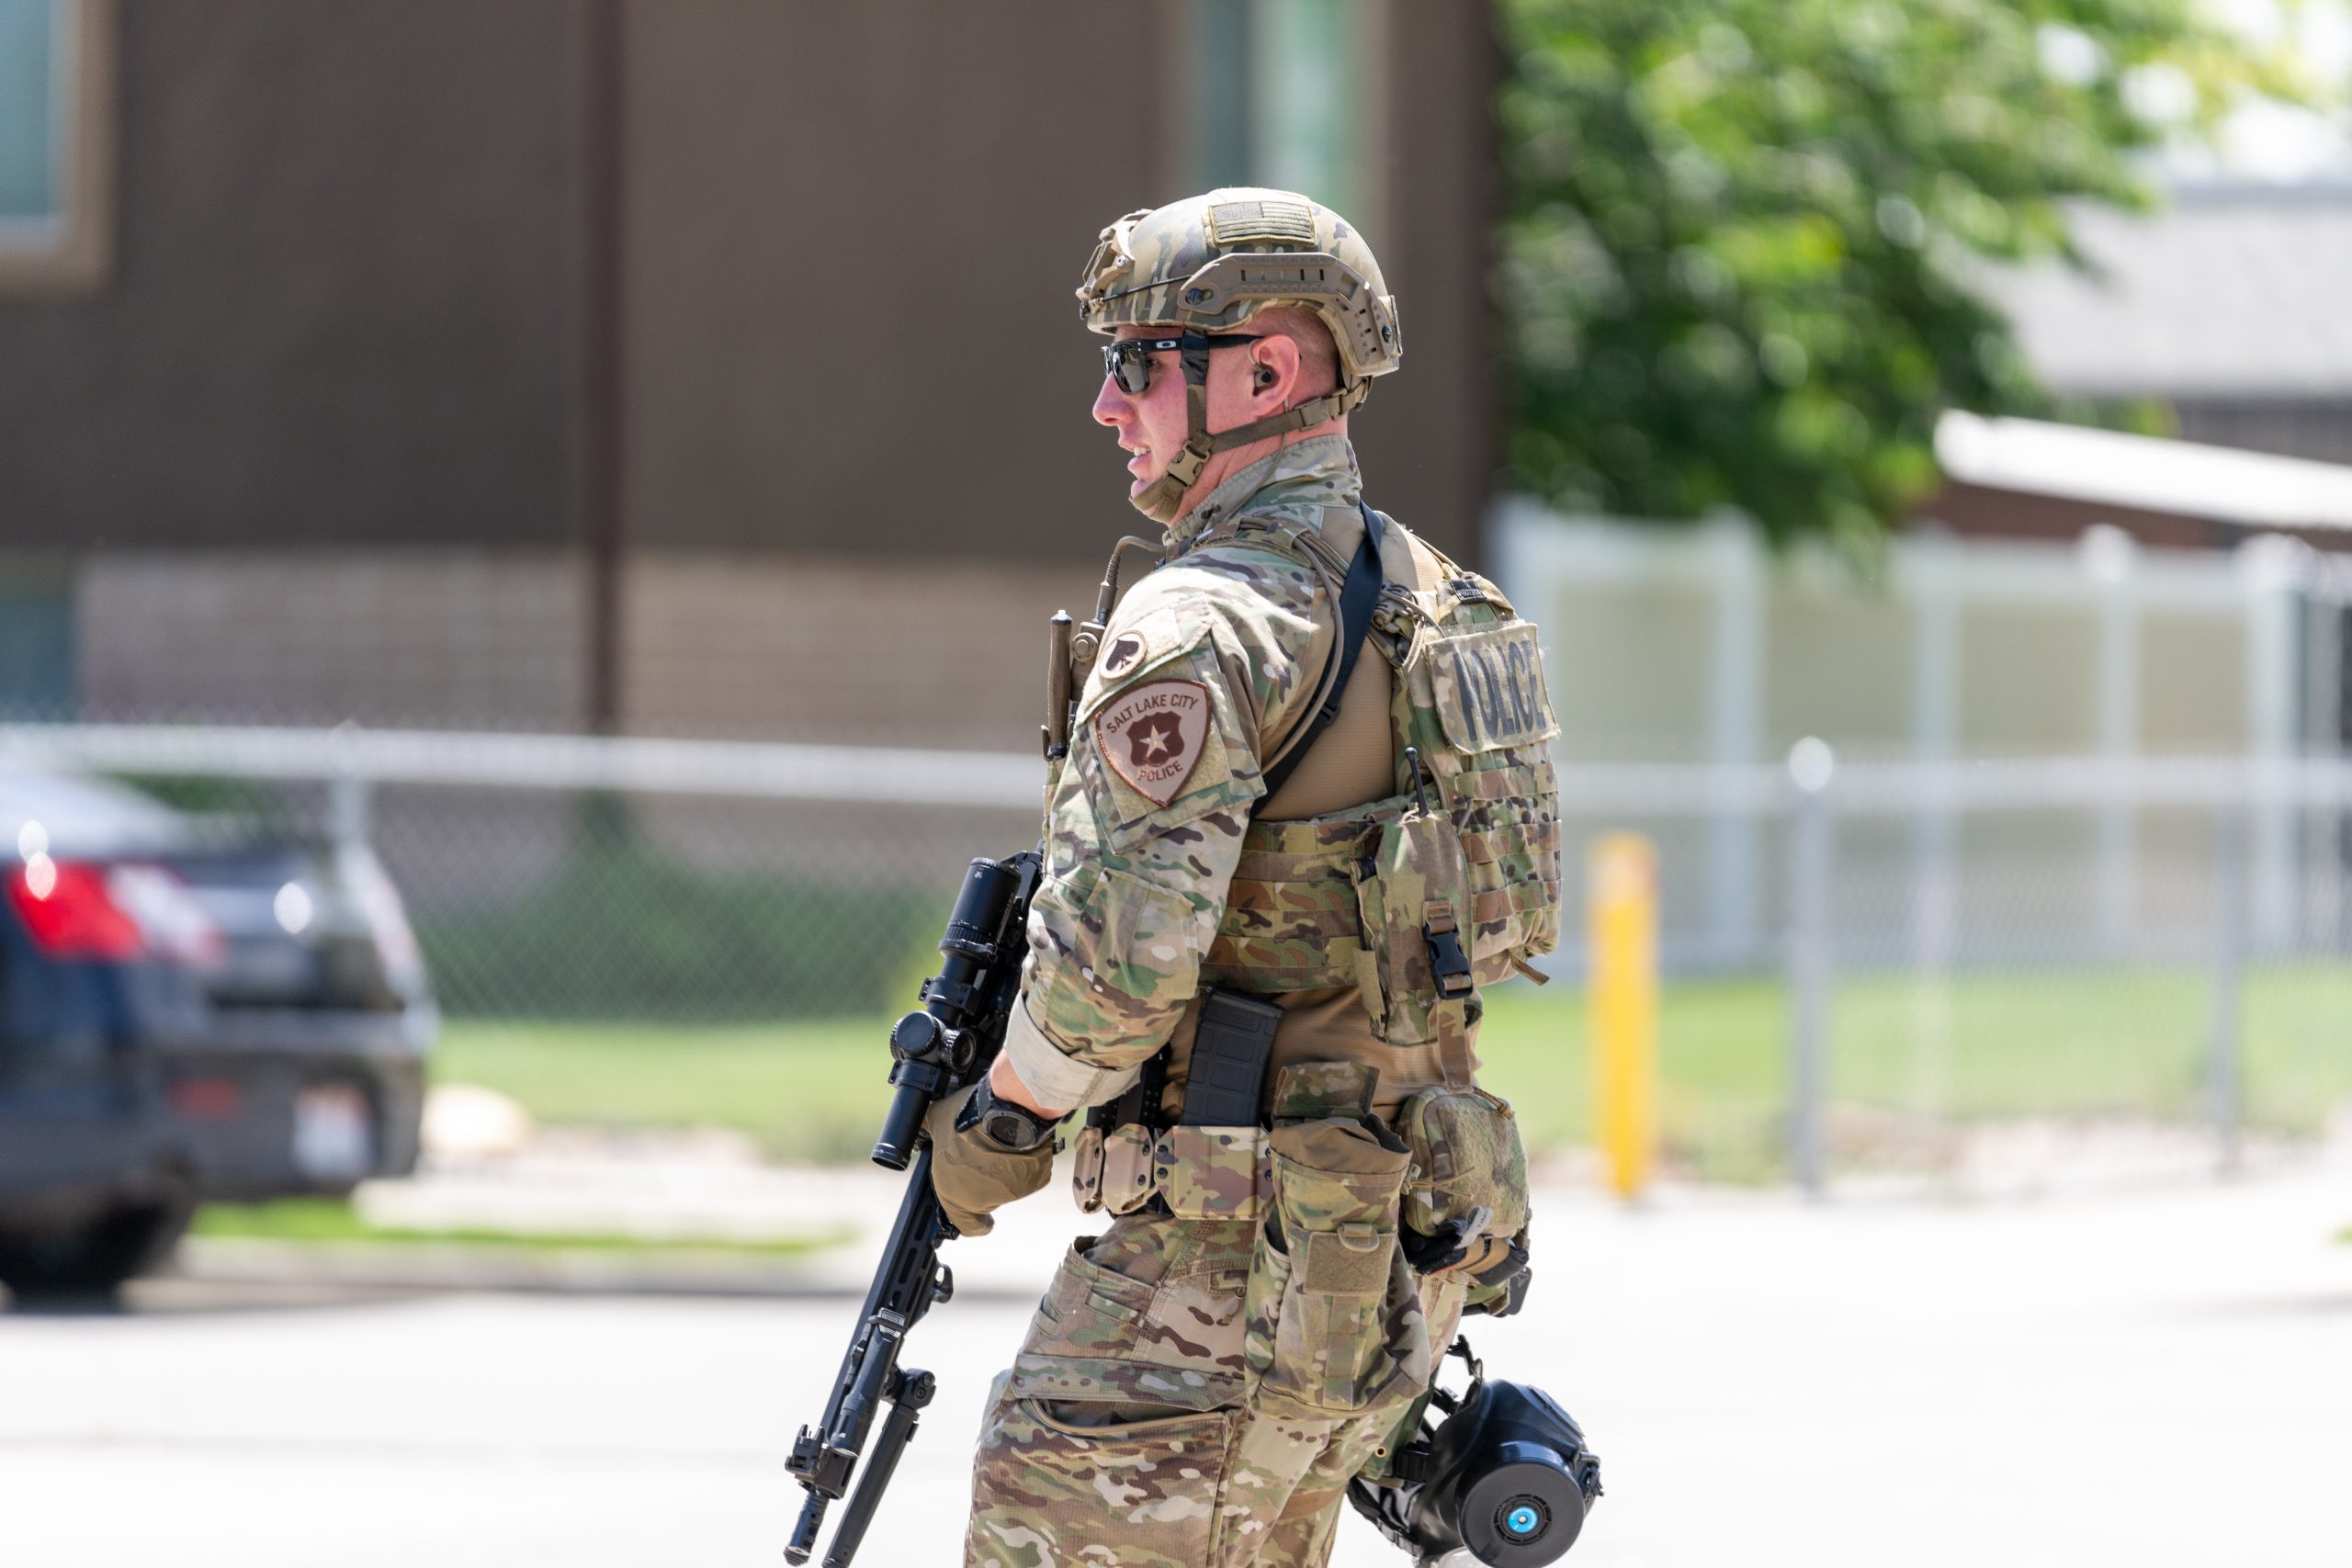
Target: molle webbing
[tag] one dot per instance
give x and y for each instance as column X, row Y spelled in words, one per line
column 1290, row 919
column 1294, row 919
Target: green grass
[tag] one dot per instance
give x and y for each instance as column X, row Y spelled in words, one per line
column 314, row 1219
column 2068, row 1043
column 809, row 1089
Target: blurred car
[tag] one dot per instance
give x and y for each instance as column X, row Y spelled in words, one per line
column 190, row 1010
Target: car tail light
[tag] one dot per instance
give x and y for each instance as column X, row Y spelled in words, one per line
column 73, row 909
column 69, row 911
column 207, row 1100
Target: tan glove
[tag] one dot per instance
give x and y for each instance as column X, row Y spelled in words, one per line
column 973, row 1174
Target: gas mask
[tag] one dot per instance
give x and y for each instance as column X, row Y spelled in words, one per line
column 1504, row 1481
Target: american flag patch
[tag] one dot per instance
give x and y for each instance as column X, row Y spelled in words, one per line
column 1241, row 222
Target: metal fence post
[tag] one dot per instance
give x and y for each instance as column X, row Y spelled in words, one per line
column 1811, row 763
column 350, row 803
column 2225, row 1043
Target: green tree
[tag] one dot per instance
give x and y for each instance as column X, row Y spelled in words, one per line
column 1744, row 239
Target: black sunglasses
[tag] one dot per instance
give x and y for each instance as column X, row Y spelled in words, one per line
column 1128, row 361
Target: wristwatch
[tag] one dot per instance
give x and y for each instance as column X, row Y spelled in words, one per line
column 1003, row 1124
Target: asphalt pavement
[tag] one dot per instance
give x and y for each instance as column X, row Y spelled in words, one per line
column 2157, row 1376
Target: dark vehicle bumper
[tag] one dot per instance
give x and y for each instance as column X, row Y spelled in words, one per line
column 238, row 1096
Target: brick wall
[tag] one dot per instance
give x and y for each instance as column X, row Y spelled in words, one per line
column 922, row 652
column 919, row 652
column 450, row 638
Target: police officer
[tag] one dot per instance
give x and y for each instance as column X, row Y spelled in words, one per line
column 1304, row 813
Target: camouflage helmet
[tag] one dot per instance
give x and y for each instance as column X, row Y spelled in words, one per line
column 1207, row 264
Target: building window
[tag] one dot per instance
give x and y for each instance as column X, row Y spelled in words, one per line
column 56, row 143
column 36, row 643
column 1278, row 101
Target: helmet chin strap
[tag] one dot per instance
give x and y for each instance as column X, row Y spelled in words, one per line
column 1162, row 501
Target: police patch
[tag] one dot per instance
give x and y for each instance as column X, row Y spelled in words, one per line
column 1489, row 688
column 1152, row 735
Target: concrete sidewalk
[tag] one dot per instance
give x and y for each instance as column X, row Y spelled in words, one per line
column 674, row 1188
column 681, row 1188
column 2155, row 1376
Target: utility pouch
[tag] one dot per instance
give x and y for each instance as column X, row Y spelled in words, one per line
column 1111, row 1161
column 1469, row 1176
column 1126, row 1168
column 1413, row 900
column 1201, row 1173
column 1086, row 1168
column 1335, row 1324
column 1212, row 1173
column 1311, row 1091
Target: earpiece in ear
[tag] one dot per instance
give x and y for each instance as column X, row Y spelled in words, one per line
column 1265, row 377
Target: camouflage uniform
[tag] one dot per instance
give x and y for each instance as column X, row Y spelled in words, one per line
column 1204, row 1378
column 1124, row 1432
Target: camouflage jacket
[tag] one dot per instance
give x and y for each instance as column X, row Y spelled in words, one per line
column 1205, row 660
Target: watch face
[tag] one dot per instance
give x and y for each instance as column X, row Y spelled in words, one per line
column 1011, row 1128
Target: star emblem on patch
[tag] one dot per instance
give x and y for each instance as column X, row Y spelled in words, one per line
column 1154, row 739
column 1152, row 735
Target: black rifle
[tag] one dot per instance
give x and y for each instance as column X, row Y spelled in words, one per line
column 940, row 1051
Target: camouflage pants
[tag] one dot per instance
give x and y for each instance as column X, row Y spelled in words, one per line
column 1123, row 1433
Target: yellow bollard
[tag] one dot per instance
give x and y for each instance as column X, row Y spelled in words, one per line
column 1621, row 952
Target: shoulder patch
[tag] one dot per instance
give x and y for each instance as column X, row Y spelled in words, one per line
column 1153, row 733
column 1121, row 656
column 1150, row 638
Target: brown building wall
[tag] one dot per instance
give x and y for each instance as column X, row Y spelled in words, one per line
column 346, row 301
column 456, row 638
column 854, row 235
column 714, row 643
column 314, row 449
column 1981, row 513
column 2317, row 428
column 1430, row 438
column 842, row 648
column 339, row 308
column 854, row 232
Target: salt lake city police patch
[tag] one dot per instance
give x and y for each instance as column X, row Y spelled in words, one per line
column 1153, row 734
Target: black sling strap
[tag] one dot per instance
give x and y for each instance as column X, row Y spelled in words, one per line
column 1357, row 596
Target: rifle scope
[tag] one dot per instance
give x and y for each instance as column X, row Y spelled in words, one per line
column 929, row 1045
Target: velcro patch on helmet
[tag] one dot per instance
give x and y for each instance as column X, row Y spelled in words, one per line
column 1152, row 735
column 1233, row 223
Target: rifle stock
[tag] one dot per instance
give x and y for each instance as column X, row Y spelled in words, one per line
column 938, row 1052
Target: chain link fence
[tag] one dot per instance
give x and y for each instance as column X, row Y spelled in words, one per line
column 1868, row 967
column 556, row 877
column 1938, row 966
